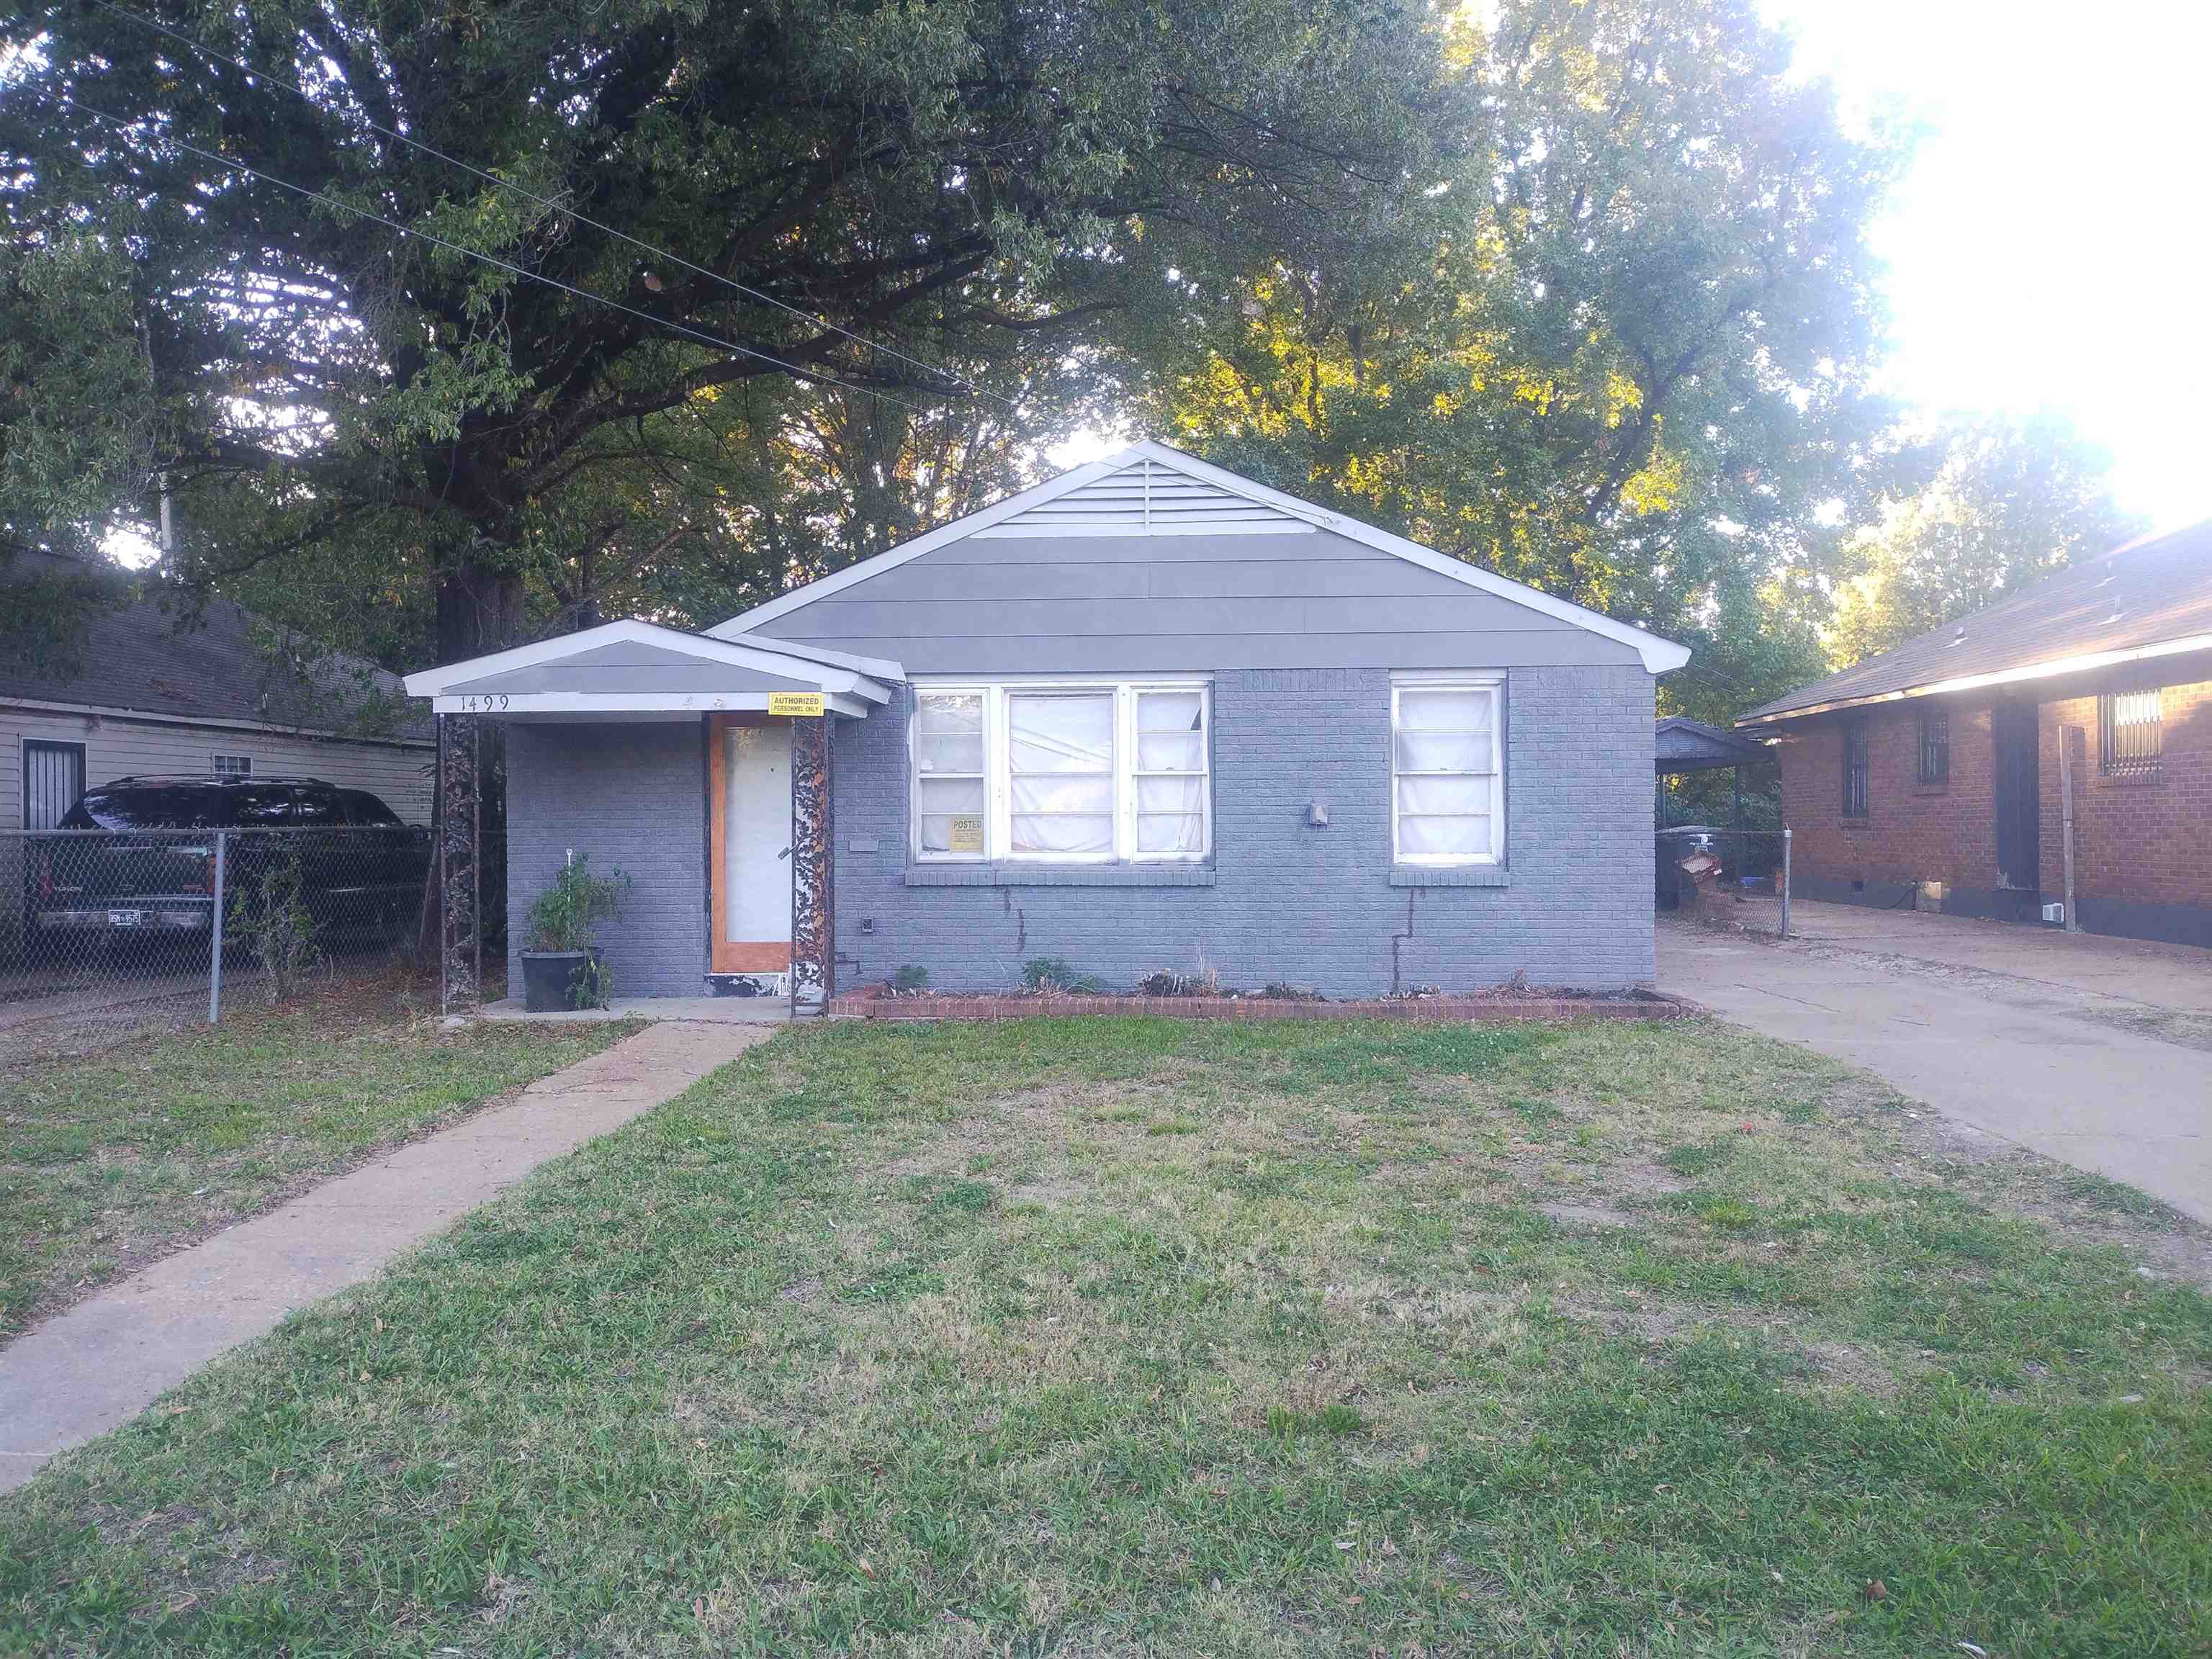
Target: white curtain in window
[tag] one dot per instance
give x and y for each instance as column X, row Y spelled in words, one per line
column 1171, row 772
column 1060, row 753
column 948, row 754
column 1446, row 784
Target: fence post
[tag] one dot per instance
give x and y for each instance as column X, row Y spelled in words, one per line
column 1785, row 881
column 215, row 937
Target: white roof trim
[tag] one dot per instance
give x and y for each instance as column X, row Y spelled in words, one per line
column 675, row 705
column 1659, row 656
column 833, row 670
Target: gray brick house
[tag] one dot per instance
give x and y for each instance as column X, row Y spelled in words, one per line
column 1148, row 715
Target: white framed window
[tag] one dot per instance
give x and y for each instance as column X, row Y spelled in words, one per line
column 1062, row 771
column 234, row 766
column 1447, row 768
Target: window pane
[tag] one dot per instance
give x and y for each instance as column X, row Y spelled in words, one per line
column 1444, row 709
column 1443, row 751
column 950, row 814
column 1060, row 733
column 1445, row 794
column 1461, row 837
column 949, row 751
column 1063, row 832
column 1171, row 832
column 1170, row 751
column 954, row 711
column 1171, row 711
column 1171, row 794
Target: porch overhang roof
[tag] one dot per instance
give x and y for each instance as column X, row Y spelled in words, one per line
column 640, row 671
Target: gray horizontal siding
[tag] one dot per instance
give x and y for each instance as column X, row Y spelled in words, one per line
column 1176, row 653
column 1147, row 603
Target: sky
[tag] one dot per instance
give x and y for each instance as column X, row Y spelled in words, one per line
column 2052, row 247
column 2052, row 244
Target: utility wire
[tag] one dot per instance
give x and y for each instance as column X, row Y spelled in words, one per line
column 715, row 340
column 160, row 28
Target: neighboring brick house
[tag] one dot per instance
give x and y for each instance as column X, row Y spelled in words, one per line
column 1149, row 716
column 1931, row 773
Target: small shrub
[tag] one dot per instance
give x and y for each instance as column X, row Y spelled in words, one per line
column 911, row 980
column 1057, row 974
column 269, row 917
column 1276, row 991
column 562, row 916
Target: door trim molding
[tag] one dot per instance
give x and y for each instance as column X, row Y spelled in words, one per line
column 730, row 956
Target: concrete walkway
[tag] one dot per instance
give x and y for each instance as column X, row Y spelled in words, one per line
column 96, row 1366
column 2096, row 1052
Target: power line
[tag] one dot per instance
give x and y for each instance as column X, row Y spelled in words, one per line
column 245, row 67
column 715, row 340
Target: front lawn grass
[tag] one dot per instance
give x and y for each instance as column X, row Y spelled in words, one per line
column 1137, row 1336
column 110, row 1160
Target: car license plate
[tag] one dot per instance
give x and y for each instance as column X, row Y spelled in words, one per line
column 124, row 918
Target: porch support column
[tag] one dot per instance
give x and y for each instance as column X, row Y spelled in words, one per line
column 460, row 931
column 813, row 935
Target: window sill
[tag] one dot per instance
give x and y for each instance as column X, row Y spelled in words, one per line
column 1059, row 875
column 2150, row 780
column 1450, row 875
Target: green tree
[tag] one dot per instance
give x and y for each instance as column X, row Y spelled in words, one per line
column 1618, row 346
column 813, row 204
column 1984, row 509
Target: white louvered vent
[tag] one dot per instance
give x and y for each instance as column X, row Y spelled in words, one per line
column 1146, row 498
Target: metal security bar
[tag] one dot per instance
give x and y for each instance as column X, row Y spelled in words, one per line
column 113, row 928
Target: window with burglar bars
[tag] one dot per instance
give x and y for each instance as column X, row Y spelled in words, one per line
column 1936, row 745
column 1855, row 768
column 2131, row 734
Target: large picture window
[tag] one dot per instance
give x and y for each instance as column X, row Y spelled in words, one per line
column 1448, row 780
column 1062, row 771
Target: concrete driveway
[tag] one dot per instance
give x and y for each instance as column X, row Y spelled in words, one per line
column 2095, row 1051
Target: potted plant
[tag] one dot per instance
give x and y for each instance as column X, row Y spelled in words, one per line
column 560, row 966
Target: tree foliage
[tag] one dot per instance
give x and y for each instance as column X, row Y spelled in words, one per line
column 1984, row 509
column 792, row 192
column 1618, row 347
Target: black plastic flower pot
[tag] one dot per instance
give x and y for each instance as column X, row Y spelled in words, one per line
column 557, row 981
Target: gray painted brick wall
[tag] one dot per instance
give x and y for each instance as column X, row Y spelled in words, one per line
column 1310, row 906
column 634, row 797
column 1282, row 902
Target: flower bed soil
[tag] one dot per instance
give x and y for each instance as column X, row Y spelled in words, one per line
column 1493, row 1008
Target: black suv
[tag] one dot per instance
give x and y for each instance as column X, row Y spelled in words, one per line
column 361, row 868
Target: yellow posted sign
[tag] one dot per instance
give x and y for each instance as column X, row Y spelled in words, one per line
column 795, row 703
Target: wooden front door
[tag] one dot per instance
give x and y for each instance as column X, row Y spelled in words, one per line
column 748, row 844
column 2018, row 790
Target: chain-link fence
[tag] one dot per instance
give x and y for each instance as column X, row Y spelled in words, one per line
column 105, row 929
column 1733, row 878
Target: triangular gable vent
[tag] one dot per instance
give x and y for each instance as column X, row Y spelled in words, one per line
column 1146, row 498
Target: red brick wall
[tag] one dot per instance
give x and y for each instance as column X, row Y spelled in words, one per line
column 2137, row 840
column 2144, row 839
column 1911, row 832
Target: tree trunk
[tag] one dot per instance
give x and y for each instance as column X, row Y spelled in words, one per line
column 479, row 610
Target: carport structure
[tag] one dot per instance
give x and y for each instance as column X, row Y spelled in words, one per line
column 1682, row 745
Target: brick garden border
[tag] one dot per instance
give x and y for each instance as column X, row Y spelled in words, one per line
column 1647, row 1005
